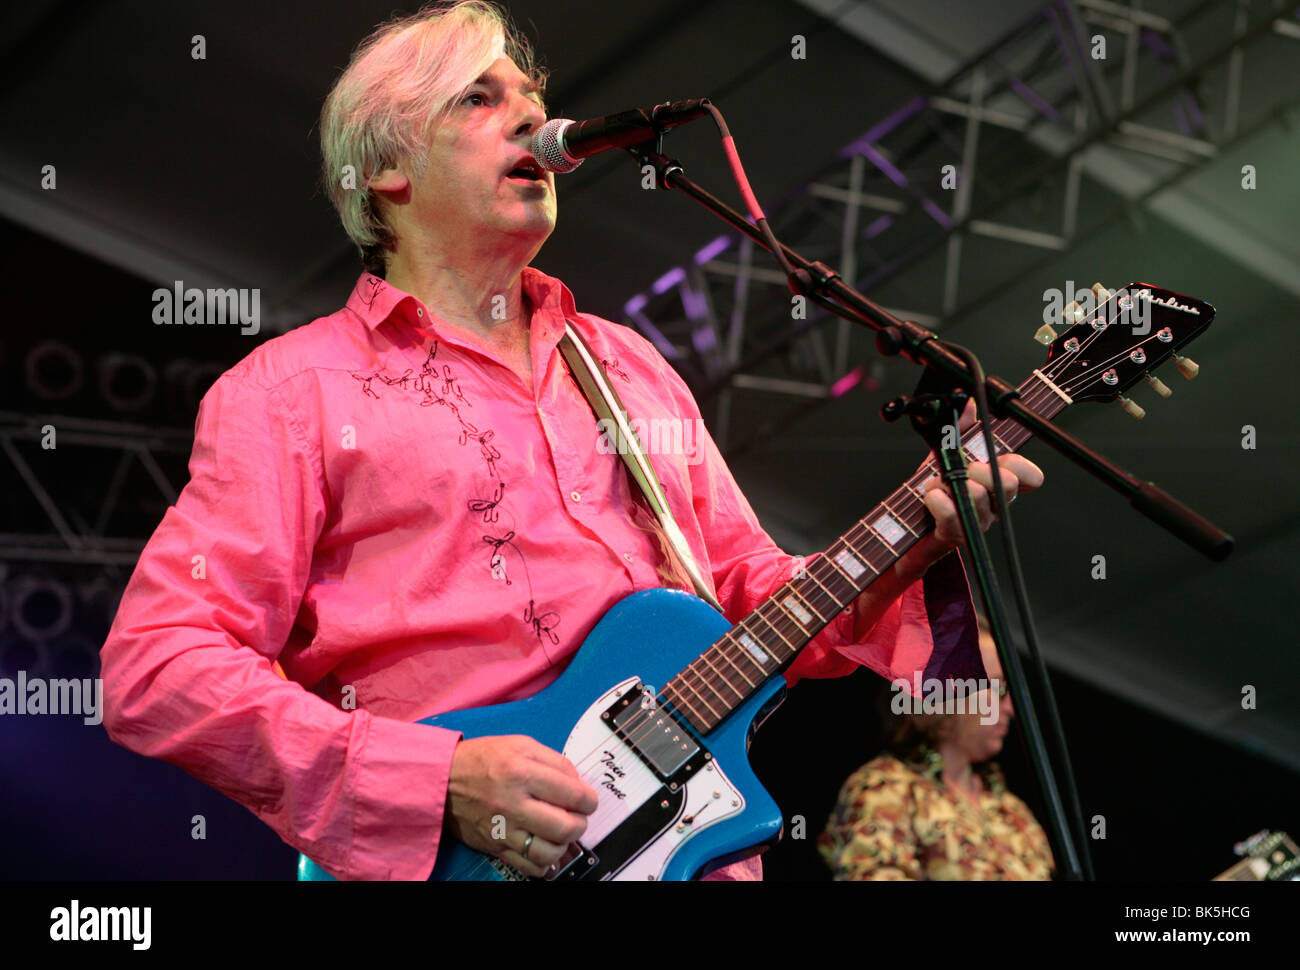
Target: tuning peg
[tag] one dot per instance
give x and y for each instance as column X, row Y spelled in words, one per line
column 1132, row 408
column 1159, row 386
column 1100, row 293
column 1045, row 334
column 1072, row 313
column 1186, row 366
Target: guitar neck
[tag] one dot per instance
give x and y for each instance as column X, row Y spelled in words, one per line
column 767, row 640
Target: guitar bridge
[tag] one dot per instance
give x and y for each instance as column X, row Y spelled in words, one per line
column 574, row 864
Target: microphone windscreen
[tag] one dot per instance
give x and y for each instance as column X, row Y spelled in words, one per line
column 548, row 147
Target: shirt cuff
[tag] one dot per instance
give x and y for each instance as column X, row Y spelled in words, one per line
column 401, row 779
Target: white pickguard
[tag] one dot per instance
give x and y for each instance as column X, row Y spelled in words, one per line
column 624, row 783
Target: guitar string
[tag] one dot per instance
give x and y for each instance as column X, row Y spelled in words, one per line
column 1041, row 394
column 1106, row 363
column 639, row 726
column 1098, row 332
column 785, row 623
column 1034, row 397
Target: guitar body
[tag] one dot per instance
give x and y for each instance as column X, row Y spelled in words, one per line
column 658, row 816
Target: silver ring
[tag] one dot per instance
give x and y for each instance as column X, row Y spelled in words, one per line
column 528, row 844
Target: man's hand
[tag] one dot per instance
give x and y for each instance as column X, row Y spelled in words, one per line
column 528, row 789
column 1018, row 475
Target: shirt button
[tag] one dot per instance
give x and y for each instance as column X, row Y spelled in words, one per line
column 627, row 556
column 576, row 496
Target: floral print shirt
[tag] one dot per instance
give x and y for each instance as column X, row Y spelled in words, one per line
column 897, row 819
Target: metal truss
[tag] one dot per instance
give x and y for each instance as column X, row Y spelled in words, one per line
column 1019, row 125
column 71, row 538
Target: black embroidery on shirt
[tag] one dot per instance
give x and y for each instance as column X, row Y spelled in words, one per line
column 366, row 389
column 443, row 390
column 544, row 624
column 488, row 506
column 431, row 388
column 485, row 446
column 449, row 385
column 368, row 290
column 612, row 364
column 497, row 562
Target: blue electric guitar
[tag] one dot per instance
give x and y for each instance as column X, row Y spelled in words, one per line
column 657, row 707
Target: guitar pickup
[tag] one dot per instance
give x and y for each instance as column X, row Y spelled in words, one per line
column 660, row 740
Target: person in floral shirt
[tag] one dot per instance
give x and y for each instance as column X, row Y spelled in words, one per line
column 935, row 806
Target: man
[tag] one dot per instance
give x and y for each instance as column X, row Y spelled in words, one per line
column 404, row 503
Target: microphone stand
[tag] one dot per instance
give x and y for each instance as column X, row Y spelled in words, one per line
column 948, row 370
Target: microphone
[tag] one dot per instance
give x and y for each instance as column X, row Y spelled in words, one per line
column 560, row 145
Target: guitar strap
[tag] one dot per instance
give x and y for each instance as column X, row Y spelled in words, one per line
column 604, row 400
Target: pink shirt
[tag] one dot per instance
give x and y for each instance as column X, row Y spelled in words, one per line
column 391, row 514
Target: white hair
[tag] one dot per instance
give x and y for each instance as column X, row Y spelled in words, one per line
column 400, row 81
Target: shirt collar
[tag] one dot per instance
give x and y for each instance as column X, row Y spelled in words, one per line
column 375, row 300
column 928, row 762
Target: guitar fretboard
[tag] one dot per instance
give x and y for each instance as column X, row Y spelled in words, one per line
column 767, row 640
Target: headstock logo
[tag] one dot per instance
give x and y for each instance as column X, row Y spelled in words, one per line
column 1126, row 302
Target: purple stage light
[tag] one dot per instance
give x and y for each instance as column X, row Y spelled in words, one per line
column 668, row 280
column 1034, row 99
column 883, row 128
column 712, row 250
column 877, row 226
column 937, row 214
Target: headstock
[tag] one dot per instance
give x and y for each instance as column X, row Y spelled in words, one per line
column 1131, row 331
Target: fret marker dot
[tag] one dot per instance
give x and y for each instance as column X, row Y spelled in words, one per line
column 793, row 605
column 889, row 529
column 850, row 564
column 755, row 651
